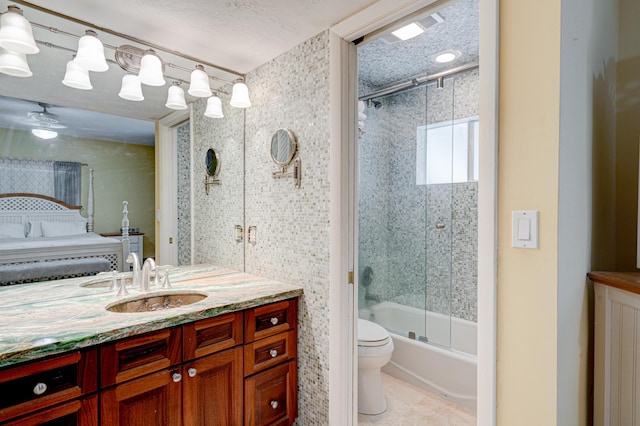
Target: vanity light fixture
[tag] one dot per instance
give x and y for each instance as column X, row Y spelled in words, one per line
column 408, row 31
column 240, row 96
column 16, row 34
column 131, row 89
column 90, row 53
column 44, row 134
column 14, row 63
column 144, row 66
column 199, row 86
column 175, row 97
column 447, row 56
column 77, row 76
column 151, row 69
column 214, row 108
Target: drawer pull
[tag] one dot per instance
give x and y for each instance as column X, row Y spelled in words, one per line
column 274, row 320
column 192, row 372
column 273, row 353
column 40, row 388
column 177, row 377
column 274, row 404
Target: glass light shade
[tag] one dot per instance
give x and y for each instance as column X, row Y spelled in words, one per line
column 44, row 134
column 90, row 53
column 15, row 32
column 14, row 63
column 151, row 69
column 240, row 96
column 131, row 89
column 77, row 76
column 214, row 108
column 175, row 98
column 199, row 86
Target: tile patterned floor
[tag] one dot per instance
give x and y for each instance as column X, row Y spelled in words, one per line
column 408, row 405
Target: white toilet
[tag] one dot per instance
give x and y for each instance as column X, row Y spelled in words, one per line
column 374, row 350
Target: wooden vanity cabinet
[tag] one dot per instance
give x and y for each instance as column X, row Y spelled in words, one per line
column 39, row 388
column 270, row 367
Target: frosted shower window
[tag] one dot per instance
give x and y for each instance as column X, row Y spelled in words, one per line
column 447, row 152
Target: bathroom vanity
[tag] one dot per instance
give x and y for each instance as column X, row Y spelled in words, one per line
column 230, row 358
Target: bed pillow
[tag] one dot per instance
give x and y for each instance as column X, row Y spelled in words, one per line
column 11, row 230
column 60, row 229
column 35, row 230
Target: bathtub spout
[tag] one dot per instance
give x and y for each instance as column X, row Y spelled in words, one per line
column 372, row 298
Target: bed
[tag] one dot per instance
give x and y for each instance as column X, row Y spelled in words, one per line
column 42, row 238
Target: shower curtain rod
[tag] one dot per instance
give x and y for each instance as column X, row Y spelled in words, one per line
column 417, row 81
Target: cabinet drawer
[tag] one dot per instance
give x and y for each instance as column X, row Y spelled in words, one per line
column 212, row 335
column 41, row 384
column 271, row 396
column 268, row 320
column 137, row 356
column 268, row 352
column 78, row 413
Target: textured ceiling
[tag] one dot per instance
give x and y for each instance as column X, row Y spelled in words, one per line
column 237, row 35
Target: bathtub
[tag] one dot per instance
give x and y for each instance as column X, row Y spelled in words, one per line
column 449, row 372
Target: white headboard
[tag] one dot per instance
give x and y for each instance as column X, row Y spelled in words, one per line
column 24, row 208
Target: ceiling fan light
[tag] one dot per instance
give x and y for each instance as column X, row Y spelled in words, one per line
column 16, row 33
column 199, row 86
column 14, row 64
column 151, row 69
column 131, row 89
column 214, row 108
column 240, row 96
column 44, row 134
column 175, row 98
column 77, row 76
column 91, row 53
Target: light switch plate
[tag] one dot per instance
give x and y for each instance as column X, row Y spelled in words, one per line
column 524, row 232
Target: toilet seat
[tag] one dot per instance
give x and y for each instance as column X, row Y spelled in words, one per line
column 371, row 334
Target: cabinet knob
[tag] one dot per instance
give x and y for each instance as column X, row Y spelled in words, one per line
column 273, row 353
column 274, row 320
column 40, row 388
column 192, row 372
column 177, row 377
column 274, row 404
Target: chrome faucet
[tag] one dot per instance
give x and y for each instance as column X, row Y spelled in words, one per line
column 148, row 266
column 133, row 259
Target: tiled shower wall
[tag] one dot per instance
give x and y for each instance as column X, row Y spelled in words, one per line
column 292, row 239
column 413, row 262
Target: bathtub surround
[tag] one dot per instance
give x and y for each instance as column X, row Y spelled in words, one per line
column 420, row 240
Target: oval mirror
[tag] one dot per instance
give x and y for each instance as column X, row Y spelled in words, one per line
column 213, row 162
column 283, row 146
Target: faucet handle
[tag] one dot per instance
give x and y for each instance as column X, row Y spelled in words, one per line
column 122, row 292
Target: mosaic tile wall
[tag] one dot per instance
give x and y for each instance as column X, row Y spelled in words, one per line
column 292, row 244
column 414, row 262
column 216, row 214
column 184, row 194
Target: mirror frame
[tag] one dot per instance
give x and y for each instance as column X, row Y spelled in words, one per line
column 293, row 142
column 212, row 152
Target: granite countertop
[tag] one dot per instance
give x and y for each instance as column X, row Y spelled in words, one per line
column 46, row 318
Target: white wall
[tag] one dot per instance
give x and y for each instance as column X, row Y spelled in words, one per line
column 587, row 87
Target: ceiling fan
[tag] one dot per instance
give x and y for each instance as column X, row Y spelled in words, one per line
column 44, row 119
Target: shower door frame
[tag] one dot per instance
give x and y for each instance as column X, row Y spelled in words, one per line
column 378, row 18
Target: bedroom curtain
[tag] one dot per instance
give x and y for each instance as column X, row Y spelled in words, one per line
column 57, row 179
column 24, row 175
column 66, row 179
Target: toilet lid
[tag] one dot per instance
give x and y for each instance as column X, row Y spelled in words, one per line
column 371, row 334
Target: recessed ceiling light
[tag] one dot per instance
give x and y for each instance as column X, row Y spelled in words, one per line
column 447, row 56
column 408, row 31
column 44, row 134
